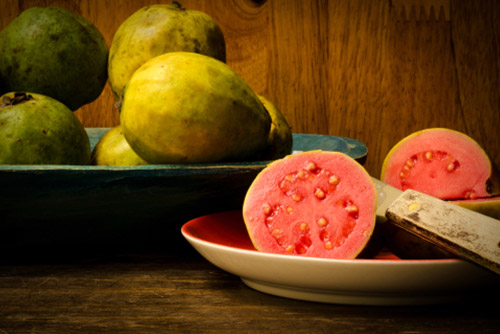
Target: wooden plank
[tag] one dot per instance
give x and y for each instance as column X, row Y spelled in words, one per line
column 146, row 293
column 476, row 47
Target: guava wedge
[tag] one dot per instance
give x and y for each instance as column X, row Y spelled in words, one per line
column 113, row 150
column 184, row 107
column 280, row 139
column 36, row 129
column 315, row 204
column 443, row 163
column 158, row 29
column 54, row 52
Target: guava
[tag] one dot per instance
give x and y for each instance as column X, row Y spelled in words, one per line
column 113, row 150
column 37, row 129
column 280, row 139
column 184, row 107
column 443, row 163
column 315, row 204
column 489, row 206
column 54, row 52
column 158, row 29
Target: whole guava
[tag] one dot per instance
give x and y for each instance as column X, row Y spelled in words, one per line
column 280, row 139
column 184, row 107
column 113, row 150
column 54, row 52
column 158, row 29
column 37, row 129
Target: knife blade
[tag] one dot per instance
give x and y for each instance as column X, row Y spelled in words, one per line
column 460, row 231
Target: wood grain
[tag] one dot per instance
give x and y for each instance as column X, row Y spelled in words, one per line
column 186, row 294
column 346, row 68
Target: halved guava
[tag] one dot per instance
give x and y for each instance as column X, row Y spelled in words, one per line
column 443, row 163
column 315, row 203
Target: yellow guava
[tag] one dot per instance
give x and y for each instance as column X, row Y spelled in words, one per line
column 184, row 107
column 280, row 136
column 113, row 150
column 158, row 29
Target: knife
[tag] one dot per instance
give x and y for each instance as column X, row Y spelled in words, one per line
column 463, row 232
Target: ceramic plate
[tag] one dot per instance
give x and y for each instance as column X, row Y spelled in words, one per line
column 386, row 280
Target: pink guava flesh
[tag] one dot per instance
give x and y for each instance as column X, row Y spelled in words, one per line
column 440, row 162
column 317, row 204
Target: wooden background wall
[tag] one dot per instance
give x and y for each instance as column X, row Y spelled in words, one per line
column 354, row 68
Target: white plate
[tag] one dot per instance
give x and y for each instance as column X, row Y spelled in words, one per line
column 223, row 240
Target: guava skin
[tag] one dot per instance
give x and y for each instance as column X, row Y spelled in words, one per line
column 113, row 150
column 54, row 52
column 280, row 139
column 158, row 29
column 489, row 206
column 41, row 130
column 184, row 107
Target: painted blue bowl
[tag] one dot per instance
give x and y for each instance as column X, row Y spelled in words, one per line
column 42, row 204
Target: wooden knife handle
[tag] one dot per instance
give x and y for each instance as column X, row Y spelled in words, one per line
column 465, row 233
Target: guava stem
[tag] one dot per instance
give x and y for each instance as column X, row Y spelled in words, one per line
column 179, row 6
column 19, row 97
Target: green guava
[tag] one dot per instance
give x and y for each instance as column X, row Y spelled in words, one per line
column 184, row 107
column 113, row 150
column 37, row 129
column 280, row 139
column 54, row 52
column 158, row 29
column 315, row 204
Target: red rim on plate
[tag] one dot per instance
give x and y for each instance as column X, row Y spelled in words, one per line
column 223, row 240
column 228, row 229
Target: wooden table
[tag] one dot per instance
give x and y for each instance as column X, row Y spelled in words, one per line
column 148, row 290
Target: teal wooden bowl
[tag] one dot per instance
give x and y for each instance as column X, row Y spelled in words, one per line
column 44, row 204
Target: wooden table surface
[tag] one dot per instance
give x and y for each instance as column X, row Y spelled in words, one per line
column 147, row 290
